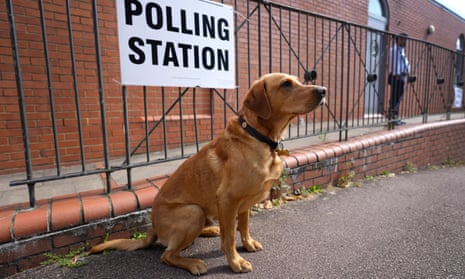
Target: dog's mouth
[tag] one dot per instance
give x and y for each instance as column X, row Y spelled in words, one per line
column 323, row 101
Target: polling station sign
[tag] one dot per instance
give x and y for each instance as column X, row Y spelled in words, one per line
column 176, row 43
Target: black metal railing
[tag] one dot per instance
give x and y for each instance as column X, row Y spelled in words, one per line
column 86, row 107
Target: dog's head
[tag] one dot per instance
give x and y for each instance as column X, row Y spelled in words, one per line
column 279, row 95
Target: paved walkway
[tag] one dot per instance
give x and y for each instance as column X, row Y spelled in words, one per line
column 407, row 226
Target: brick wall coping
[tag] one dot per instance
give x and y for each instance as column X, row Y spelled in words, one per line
column 321, row 152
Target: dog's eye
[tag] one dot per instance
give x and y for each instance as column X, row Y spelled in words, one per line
column 286, row 84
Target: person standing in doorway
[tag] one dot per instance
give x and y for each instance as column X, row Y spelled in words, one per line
column 399, row 69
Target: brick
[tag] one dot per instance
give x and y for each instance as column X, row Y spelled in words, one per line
column 66, row 213
column 145, row 196
column 8, row 270
column 123, row 202
column 70, row 238
column 95, row 208
column 31, row 222
column 32, row 247
column 5, row 225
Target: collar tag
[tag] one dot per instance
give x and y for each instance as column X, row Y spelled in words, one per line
column 281, row 151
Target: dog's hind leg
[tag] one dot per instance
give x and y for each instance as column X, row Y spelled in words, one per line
column 210, row 230
column 177, row 232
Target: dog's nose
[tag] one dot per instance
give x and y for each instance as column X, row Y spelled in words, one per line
column 321, row 91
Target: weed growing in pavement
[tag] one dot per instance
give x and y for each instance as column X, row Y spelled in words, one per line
column 410, row 168
column 386, row 174
column 315, row 189
column 346, row 180
column 323, row 137
column 281, row 184
column 74, row 258
column 139, row 235
column 369, row 178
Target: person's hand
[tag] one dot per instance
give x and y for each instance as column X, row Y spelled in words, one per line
column 411, row 78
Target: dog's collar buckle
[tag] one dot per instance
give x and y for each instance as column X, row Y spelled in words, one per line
column 256, row 134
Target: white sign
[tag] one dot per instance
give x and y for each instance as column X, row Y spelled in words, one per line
column 458, row 97
column 176, row 43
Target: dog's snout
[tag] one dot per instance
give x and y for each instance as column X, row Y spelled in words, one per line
column 321, row 91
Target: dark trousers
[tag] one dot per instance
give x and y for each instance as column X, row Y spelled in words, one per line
column 397, row 91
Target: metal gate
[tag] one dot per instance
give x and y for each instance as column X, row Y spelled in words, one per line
column 76, row 119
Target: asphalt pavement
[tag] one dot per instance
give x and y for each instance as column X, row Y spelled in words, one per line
column 407, row 226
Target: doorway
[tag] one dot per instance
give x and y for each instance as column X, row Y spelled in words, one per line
column 375, row 57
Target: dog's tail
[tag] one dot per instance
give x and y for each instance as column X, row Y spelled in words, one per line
column 126, row 244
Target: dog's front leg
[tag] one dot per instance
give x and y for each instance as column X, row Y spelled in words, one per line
column 249, row 243
column 227, row 212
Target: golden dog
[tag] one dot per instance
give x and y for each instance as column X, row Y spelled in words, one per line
column 226, row 177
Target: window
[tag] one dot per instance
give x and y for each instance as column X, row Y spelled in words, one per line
column 375, row 8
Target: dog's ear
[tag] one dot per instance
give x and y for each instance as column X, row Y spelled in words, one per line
column 257, row 100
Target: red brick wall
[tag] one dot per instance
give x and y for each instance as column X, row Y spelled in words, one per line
column 421, row 147
column 412, row 17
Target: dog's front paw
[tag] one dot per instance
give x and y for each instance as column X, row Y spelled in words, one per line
column 240, row 265
column 252, row 245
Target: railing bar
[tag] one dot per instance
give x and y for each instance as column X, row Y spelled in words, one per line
column 270, row 40
column 248, row 46
column 236, row 50
column 322, row 72
column 280, row 42
column 428, row 85
column 212, row 113
column 259, row 38
column 181, row 124
column 127, row 141
column 224, row 108
column 101, row 94
column 224, row 100
column 75, row 86
column 146, row 125
column 359, row 73
column 450, row 96
column 341, row 97
column 51, row 96
column 289, row 41
column 314, row 112
column 298, row 68
column 307, row 35
column 246, row 21
column 194, row 109
column 163, row 120
column 54, row 177
column 346, row 136
column 21, row 103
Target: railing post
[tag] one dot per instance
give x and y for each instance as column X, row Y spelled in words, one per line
column 342, row 123
column 21, row 102
column 428, row 84
column 101, row 96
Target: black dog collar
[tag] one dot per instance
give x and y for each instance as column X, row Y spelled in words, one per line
column 256, row 134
